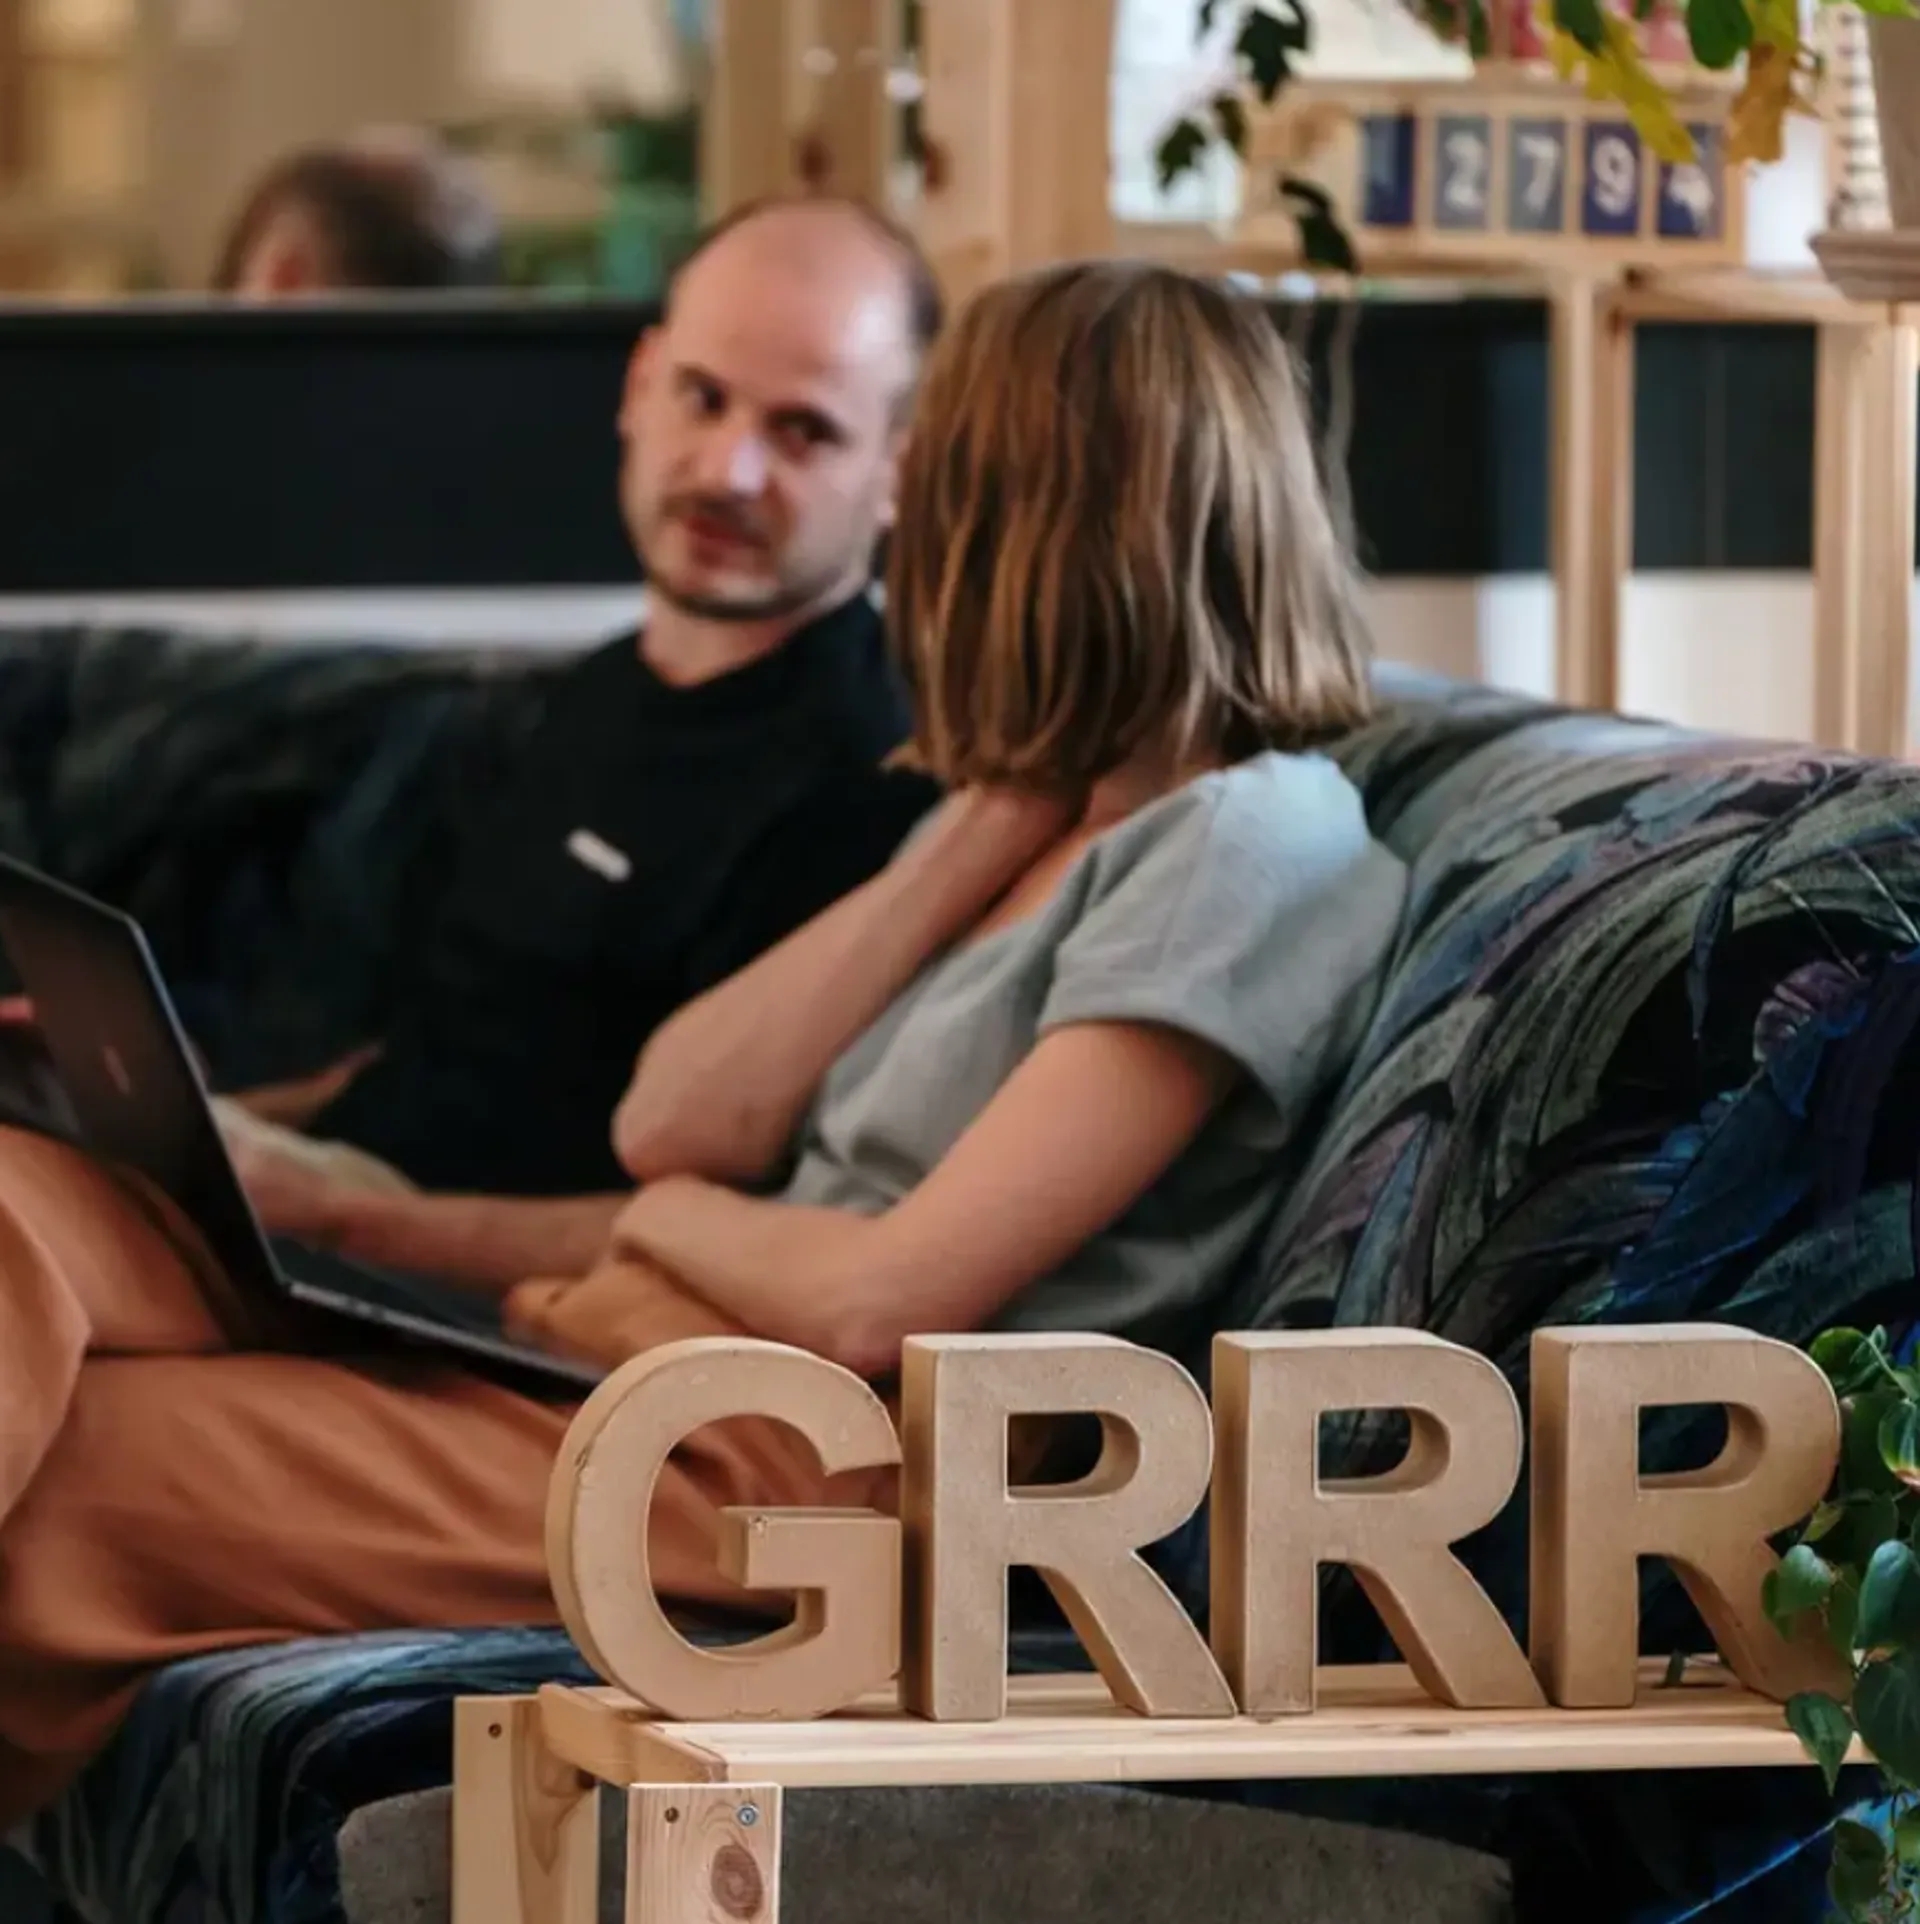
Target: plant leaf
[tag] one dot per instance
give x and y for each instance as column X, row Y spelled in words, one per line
column 1581, row 19
column 1267, row 41
column 1890, row 1599
column 1869, row 1522
column 1886, row 1707
column 1615, row 70
column 1863, row 1469
column 1230, row 116
column 1859, row 1872
column 1719, row 31
column 1756, row 122
column 1843, row 1617
column 1900, row 1442
column 1824, row 1729
column 1822, row 1521
column 1323, row 241
column 1180, row 149
column 1803, row 1581
column 1851, row 1361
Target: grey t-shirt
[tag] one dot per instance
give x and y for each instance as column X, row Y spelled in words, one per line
column 1251, row 909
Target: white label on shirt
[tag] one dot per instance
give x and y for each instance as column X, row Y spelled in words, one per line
column 603, row 858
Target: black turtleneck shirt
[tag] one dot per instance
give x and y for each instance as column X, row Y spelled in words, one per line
column 647, row 842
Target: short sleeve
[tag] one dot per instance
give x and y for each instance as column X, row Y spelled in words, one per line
column 1253, row 911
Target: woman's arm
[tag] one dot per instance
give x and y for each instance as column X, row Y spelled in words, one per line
column 1081, row 1130
column 722, row 1086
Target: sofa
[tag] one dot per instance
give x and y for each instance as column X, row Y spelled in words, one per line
column 1642, row 1056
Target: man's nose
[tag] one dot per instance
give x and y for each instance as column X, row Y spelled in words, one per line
column 734, row 461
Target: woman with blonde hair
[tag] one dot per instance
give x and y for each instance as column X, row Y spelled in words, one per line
column 1046, row 1071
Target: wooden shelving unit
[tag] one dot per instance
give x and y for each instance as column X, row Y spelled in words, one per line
column 704, row 1800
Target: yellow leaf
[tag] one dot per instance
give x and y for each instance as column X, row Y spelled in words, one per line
column 1755, row 122
column 1776, row 23
column 1618, row 73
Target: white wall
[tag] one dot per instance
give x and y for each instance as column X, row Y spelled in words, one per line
column 1721, row 651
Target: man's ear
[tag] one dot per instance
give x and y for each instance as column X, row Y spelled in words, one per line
column 641, row 366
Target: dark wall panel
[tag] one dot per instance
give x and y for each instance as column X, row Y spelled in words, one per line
column 472, row 446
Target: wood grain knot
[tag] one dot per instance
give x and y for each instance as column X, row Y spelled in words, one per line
column 738, row 1887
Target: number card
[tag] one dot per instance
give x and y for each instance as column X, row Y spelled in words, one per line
column 1463, row 171
column 1537, row 176
column 1386, row 154
column 1611, row 202
column 1691, row 191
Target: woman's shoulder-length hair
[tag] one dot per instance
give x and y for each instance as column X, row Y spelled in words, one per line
column 1112, row 537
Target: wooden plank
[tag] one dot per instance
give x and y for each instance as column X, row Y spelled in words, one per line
column 526, row 1826
column 703, row 1855
column 1712, row 296
column 618, row 1741
column 1372, row 1722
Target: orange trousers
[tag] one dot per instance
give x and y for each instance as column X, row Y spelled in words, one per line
column 167, row 1490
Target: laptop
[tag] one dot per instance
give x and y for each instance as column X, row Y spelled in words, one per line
column 134, row 1098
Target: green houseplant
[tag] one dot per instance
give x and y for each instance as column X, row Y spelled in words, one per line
column 1637, row 53
column 1853, row 1574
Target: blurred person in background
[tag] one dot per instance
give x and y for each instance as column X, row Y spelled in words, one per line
column 391, row 211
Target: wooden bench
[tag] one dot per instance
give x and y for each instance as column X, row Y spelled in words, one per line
column 704, row 1800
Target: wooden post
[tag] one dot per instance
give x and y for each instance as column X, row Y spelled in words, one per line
column 1863, row 549
column 1839, row 533
column 1017, row 115
column 526, row 1826
column 797, row 98
column 1891, row 376
column 703, row 1854
column 1590, row 488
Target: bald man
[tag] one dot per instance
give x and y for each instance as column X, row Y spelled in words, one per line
column 691, row 793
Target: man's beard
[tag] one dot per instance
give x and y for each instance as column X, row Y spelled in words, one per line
column 777, row 600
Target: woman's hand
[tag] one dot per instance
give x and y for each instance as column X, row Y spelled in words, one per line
column 619, row 1309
